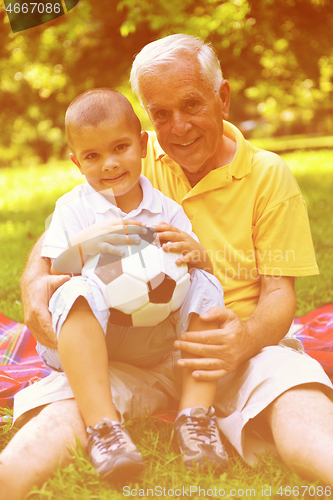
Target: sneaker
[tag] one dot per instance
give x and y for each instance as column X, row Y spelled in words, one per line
column 112, row 452
column 197, row 437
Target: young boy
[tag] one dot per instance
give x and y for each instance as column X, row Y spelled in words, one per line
column 107, row 145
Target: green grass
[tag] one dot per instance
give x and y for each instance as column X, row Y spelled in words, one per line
column 293, row 143
column 165, row 473
column 29, row 198
column 314, row 173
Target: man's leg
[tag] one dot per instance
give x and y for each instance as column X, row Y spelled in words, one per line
column 35, row 451
column 301, row 420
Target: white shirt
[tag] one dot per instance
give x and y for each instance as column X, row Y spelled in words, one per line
column 83, row 206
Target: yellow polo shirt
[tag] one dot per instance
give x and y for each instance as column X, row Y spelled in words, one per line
column 249, row 215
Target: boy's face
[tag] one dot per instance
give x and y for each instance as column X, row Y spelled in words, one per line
column 109, row 156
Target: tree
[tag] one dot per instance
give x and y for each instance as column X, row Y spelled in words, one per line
column 276, row 54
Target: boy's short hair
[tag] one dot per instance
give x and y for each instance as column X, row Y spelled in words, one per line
column 95, row 106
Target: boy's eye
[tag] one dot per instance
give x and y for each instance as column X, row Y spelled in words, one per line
column 121, row 147
column 91, row 156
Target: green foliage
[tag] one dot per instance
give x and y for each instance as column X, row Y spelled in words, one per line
column 277, row 56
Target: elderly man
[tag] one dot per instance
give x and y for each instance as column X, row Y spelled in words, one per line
column 248, row 212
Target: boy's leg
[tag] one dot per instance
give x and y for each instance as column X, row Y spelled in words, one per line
column 83, row 354
column 195, row 392
column 196, row 432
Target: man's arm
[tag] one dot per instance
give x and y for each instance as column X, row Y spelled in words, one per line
column 222, row 351
column 37, row 287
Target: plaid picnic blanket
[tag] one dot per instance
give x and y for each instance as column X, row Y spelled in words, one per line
column 315, row 331
column 21, row 366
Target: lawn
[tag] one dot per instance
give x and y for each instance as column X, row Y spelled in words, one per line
column 28, row 196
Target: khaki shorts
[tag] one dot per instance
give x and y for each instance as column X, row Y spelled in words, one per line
column 140, row 346
column 241, row 396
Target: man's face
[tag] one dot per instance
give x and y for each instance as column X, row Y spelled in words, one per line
column 187, row 115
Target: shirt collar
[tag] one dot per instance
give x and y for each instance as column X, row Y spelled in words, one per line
column 101, row 205
column 240, row 165
column 97, row 201
column 150, row 201
column 242, row 161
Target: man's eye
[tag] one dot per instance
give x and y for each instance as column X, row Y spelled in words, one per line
column 192, row 105
column 91, row 156
column 160, row 115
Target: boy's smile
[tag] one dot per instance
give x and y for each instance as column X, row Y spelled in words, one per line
column 109, row 156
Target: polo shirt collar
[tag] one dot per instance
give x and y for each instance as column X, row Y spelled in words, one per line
column 242, row 161
column 238, row 168
column 150, row 201
column 101, row 205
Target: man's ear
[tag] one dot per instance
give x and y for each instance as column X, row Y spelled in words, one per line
column 75, row 161
column 224, row 93
column 143, row 144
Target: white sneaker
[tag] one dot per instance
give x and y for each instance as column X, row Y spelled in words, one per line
column 112, row 451
column 197, row 437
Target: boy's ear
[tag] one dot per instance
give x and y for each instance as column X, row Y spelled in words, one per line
column 75, row 161
column 143, row 143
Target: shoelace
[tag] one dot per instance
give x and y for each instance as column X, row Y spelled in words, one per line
column 202, row 429
column 109, row 436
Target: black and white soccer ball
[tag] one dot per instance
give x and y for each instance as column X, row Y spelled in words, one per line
column 143, row 287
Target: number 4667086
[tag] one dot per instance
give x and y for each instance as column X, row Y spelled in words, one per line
column 319, row 491
column 30, row 8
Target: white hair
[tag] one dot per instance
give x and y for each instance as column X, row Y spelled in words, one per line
column 169, row 50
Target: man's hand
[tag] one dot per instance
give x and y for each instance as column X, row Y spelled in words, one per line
column 236, row 341
column 36, row 307
column 175, row 240
column 220, row 351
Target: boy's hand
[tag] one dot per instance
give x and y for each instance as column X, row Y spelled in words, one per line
column 107, row 228
column 108, row 242
column 174, row 240
column 99, row 238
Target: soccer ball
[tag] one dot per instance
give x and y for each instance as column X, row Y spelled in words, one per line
column 143, row 287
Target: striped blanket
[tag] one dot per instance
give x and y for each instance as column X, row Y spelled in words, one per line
column 20, row 365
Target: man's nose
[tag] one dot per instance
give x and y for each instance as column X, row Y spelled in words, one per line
column 180, row 125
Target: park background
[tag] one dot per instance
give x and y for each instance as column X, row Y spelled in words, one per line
column 278, row 58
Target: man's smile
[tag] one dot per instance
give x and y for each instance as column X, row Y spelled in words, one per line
column 186, row 144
